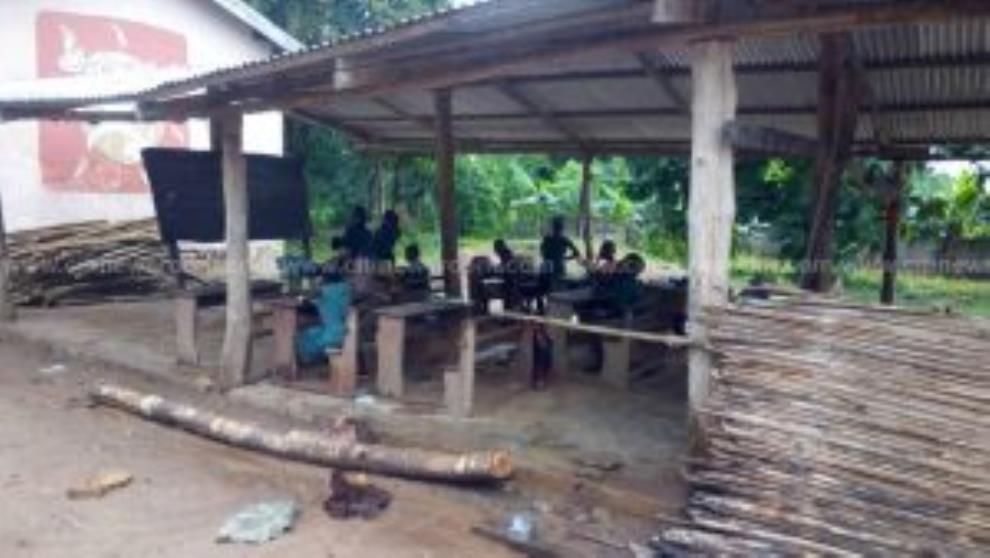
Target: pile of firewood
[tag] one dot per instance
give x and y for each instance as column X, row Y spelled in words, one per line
column 87, row 262
column 841, row 430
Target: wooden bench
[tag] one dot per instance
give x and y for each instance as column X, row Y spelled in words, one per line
column 390, row 340
column 562, row 305
column 188, row 302
column 342, row 362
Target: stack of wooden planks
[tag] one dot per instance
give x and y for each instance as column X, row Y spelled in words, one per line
column 85, row 262
column 841, row 430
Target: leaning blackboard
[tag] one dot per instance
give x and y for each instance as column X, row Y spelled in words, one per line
column 188, row 196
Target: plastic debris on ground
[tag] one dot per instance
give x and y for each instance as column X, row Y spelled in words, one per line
column 259, row 523
column 352, row 495
column 53, row 370
column 99, row 484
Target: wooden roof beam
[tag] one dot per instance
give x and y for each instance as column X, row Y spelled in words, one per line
column 325, row 119
column 545, row 115
column 762, row 139
column 661, row 78
column 424, row 122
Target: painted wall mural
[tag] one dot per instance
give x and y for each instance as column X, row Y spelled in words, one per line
column 106, row 157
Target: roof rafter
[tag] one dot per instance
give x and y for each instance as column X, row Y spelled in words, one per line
column 546, row 116
column 653, row 70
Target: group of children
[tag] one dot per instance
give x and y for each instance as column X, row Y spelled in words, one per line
column 614, row 282
column 363, row 254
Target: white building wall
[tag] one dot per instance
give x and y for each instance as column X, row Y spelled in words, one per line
column 212, row 39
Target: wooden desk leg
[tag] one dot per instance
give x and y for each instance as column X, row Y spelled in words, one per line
column 616, row 364
column 186, row 323
column 390, row 339
column 524, row 355
column 617, row 361
column 284, row 324
column 560, row 311
column 459, row 384
column 344, row 366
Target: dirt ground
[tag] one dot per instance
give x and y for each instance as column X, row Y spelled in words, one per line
column 184, row 487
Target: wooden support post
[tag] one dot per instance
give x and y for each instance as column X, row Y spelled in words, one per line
column 524, row 356
column 186, row 329
column 445, row 192
column 558, row 336
column 712, row 206
column 285, row 323
column 893, row 222
column 459, row 384
column 839, row 94
column 8, row 309
column 589, row 249
column 235, row 359
column 617, row 361
column 377, row 201
column 344, row 363
column 391, row 341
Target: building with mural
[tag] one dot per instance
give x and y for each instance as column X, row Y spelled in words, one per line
column 59, row 172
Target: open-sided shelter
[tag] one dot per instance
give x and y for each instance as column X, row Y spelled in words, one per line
column 827, row 79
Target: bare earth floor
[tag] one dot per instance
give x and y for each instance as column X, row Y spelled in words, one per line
column 184, row 487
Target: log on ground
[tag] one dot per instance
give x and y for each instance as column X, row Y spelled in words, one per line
column 312, row 447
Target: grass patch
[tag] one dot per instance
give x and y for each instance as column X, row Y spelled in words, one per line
column 862, row 285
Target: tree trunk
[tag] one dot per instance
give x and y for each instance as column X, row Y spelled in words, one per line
column 712, row 205
column 235, row 359
column 312, row 447
column 892, row 221
column 585, row 225
column 8, row 310
column 839, row 93
column 445, row 193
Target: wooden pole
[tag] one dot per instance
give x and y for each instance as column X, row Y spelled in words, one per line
column 377, row 201
column 893, row 221
column 712, row 205
column 8, row 310
column 586, row 178
column 445, row 192
column 839, row 93
column 235, row 358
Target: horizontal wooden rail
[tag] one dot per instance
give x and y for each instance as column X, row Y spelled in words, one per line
column 662, row 339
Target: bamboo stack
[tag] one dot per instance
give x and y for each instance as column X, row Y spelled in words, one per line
column 842, row 430
column 86, row 262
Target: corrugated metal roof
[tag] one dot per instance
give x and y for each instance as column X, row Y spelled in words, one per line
column 930, row 81
column 264, row 27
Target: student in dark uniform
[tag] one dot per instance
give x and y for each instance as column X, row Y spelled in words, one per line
column 386, row 237
column 556, row 249
column 414, row 276
column 357, row 238
column 614, row 294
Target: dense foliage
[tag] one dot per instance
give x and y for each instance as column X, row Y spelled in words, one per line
column 639, row 200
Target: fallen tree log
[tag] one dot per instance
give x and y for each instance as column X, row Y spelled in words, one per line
column 312, row 447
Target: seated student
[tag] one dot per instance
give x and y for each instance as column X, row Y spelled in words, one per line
column 414, row 276
column 357, row 239
column 509, row 270
column 624, row 290
column 479, row 269
column 614, row 294
column 506, row 257
column 606, row 256
column 332, row 306
column 386, row 237
column 555, row 250
column 604, row 265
